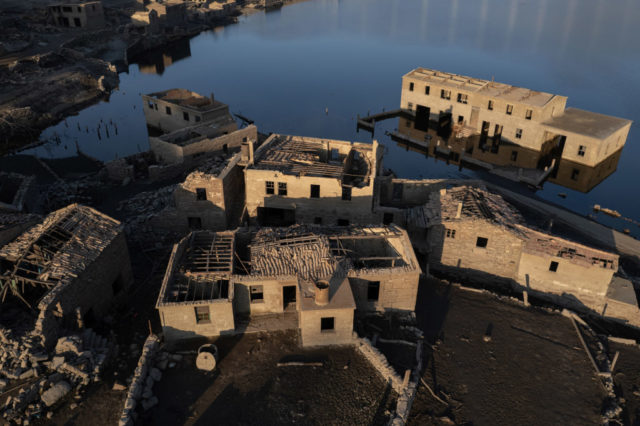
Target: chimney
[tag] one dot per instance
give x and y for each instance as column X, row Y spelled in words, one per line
column 322, row 293
column 459, row 212
column 246, row 152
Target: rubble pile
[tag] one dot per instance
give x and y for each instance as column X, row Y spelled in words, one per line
column 149, row 370
column 141, row 208
column 212, row 167
column 62, row 193
column 46, row 378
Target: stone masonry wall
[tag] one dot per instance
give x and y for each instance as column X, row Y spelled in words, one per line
column 312, row 335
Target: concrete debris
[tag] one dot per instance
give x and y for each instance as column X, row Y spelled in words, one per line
column 56, row 393
column 75, row 361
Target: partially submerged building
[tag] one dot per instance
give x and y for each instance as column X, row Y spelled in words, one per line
column 473, row 233
column 319, row 274
column 509, row 130
column 170, row 13
column 295, row 179
column 175, row 109
column 69, row 268
column 187, row 144
column 77, row 14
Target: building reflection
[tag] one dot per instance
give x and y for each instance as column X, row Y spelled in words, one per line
column 157, row 60
column 506, row 159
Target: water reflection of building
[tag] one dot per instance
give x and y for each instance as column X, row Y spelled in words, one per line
column 155, row 61
column 519, row 133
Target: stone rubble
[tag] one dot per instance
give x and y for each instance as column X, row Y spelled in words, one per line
column 75, row 362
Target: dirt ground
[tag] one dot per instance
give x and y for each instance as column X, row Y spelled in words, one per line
column 532, row 369
column 248, row 388
column 626, row 376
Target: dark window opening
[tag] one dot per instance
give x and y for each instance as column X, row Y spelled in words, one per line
column 514, row 155
column 343, row 222
column 373, row 291
column 481, row 242
column 168, row 110
column 462, row 98
column 202, row 315
column 518, row 133
column 451, row 233
column 327, row 323
column 317, row 220
column 282, row 188
column 150, row 104
column 387, row 218
column 289, row 297
column 201, row 194
column 426, row 90
column 315, row 191
column 411, row 87
column 553, row 267
column 76, row 22
column 509, row 109
column 581, row 150
column 346, row 193
column 529, row 114
column 574, row 174
column 490, row 106
column 67, row 9
column 225, row 148
column 256, row 293
column 197, row 118
column 445, row 94
column 194, row 222
column 460, row 119
column 269, row 188
column 397, row 191
column 185, row 115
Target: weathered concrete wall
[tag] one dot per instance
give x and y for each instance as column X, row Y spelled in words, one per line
column 179, row 321
column 312, row 335
column 500, row 256
column 272, row 295
column 211, row 211
column 533, row 272
column 398, row 290
column 233, row 191
column 232, row 141
column 329, row 207
column 596, row 150
column 165, row 152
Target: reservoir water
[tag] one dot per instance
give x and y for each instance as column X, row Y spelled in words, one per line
column 310, row 68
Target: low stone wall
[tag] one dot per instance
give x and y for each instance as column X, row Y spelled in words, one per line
column 138, row 384
column 380, row 363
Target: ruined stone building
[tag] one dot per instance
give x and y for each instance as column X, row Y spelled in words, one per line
column 69, row 268
column 318, row 274
column 170, row 13
column 189, row 143
column 18, row 193
column 211, row 197
column 78, row 14
column 473, row 233
column 295, row 179
column 175, row 109
column 476, row 122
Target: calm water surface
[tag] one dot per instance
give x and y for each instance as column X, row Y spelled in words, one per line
column 284, row 68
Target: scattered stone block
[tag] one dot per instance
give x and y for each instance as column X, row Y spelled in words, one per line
column 57, row 392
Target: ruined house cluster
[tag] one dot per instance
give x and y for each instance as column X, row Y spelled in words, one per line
column 311, row 229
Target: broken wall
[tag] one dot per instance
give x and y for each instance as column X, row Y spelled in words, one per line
column 272, row 294
column 398, row 289
column 107, row 278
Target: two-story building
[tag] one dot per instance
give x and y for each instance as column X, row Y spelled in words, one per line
column 175, row 109
column 80, row 14
column 295, row 179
